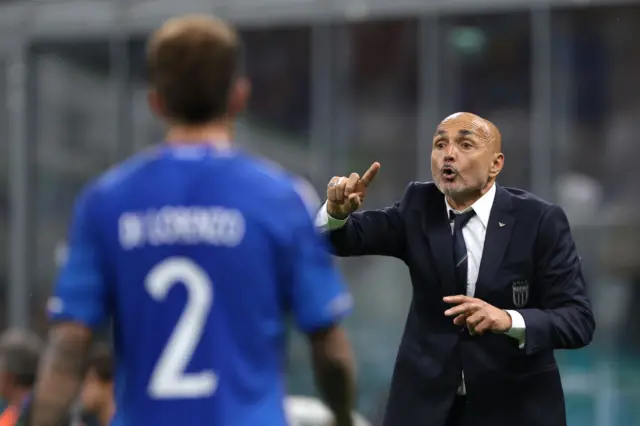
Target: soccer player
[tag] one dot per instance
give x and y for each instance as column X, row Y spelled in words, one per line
column 196, row 252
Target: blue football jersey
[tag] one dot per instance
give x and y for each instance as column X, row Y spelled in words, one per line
column 197, row 256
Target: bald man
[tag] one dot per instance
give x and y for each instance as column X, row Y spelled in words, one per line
column 497, row 285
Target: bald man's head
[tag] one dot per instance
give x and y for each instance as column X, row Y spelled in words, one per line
column 466, row 156
column 495, row 135
column 485, row 128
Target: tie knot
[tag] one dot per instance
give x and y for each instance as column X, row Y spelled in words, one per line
column 461, row 219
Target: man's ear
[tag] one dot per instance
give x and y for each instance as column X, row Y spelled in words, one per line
column 239, row 96
column 496, row 166
column 155, row 104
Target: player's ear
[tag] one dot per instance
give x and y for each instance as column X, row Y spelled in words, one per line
column 239, row 96
column 155, row 103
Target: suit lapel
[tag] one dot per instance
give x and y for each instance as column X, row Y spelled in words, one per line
column 499, row 228
column 438, row 230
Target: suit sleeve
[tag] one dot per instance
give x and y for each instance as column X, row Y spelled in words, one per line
column 565, row 319
column 81, row 293
column 373, row 232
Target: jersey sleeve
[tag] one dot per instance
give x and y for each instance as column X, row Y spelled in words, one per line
column 80, row 293
column 318, row 295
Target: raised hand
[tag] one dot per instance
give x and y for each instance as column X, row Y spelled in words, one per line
column 346, row 194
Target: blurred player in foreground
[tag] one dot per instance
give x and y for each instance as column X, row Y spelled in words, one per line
column 196, row 252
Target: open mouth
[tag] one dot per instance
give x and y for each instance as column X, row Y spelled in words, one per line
column 448, row 173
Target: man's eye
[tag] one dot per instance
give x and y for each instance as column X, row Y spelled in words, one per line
column 440, row 145
column 467, row 145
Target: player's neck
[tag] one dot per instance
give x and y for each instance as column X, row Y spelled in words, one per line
column 218, row 134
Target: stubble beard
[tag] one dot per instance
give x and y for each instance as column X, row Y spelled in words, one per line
column 452, row 189
column 460, row 192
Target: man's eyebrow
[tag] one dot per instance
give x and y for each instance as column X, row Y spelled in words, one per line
column 440, row 132
column 465, row 132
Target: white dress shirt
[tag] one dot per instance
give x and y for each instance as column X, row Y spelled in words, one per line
column 474, row 234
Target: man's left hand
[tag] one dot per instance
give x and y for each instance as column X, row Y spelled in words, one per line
column 478, row 315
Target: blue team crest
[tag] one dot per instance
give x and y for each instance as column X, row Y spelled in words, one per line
column 520, row 290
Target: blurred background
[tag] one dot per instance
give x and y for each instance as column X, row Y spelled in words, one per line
column 339, row 84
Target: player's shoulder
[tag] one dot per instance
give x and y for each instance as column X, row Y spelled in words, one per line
column 278, row 185
column 105, row 183
column 121, row 172
column 270, row 173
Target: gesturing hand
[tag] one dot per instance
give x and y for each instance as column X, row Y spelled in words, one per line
column 478, row 315
column 345, row 195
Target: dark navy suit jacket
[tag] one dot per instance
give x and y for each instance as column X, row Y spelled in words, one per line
column 528, row 246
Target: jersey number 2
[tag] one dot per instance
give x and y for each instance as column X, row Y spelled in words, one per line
column 168, row 379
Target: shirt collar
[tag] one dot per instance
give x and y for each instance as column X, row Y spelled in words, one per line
column 482, row 206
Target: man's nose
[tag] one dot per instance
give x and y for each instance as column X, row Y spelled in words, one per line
column 449, row 157
column 449, row 153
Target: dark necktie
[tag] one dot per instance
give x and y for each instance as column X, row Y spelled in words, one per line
column 460, row 248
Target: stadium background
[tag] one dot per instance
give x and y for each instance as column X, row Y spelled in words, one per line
column 338, row 84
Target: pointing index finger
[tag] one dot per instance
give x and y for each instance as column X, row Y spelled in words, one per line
column 458, row 299
column 370, row 174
